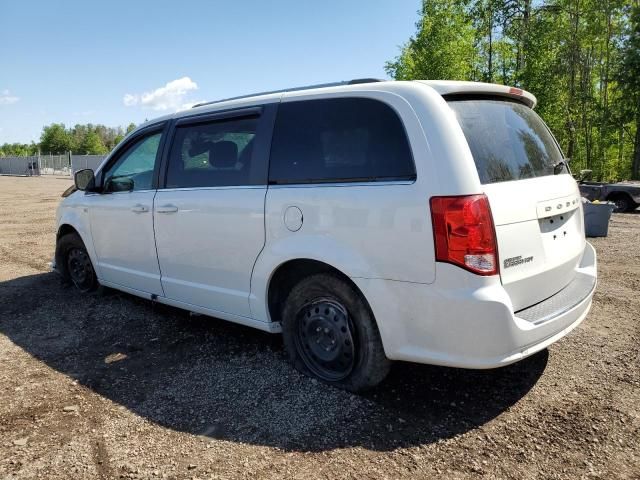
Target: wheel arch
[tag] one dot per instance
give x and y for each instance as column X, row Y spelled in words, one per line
column 66, row 229
column 613, row 196
column 619, row 194
column 63, row 230
column 288, row 273
column 73, row 222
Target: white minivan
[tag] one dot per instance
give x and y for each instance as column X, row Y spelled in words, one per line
column 367, row 221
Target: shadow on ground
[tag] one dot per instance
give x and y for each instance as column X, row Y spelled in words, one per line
column 209, row 377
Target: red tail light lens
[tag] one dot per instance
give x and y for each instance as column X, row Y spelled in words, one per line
column 464, row 233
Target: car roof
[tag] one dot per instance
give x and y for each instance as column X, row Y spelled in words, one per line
column 442, row 87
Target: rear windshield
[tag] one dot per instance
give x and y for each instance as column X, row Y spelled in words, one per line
column 508, row 140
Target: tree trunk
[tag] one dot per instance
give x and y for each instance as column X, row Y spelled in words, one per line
column 620, row 151
column 523, row 40
column 504, row 61
column 635, row 166
column 604, row 95
column 573, row 64
column 490, row 73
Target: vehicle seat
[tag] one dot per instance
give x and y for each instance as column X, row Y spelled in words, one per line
column 223, row 155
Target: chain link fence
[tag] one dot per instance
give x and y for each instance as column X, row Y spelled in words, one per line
column 48, row 164
column 22, row 166
column 79, row 162
column 54, row 165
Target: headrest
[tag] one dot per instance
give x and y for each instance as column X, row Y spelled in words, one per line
column 223, row 154
column 199, row 146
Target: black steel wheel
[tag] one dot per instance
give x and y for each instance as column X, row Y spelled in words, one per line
column 623, row 204
column 330, row 333
column 80, row 269
column 325, row 340
column 74, row 263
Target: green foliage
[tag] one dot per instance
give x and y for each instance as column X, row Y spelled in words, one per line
column 82, row 139
column 442, row 47
column 581, row 58
column 18, row 149
column 628, row 78
column 92, row 144
column 55, row 139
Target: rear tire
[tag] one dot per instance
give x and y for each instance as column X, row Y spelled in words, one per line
column 623, row 203
column 74, row 263
column 330, row 333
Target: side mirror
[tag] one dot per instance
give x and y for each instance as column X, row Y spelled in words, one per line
column 84, row 179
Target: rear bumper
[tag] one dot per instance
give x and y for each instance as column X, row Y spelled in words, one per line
column 463, row 320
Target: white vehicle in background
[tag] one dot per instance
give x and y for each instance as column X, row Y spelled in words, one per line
column 426, row 221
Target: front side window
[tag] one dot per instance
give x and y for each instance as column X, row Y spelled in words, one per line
column 213, row 154
column 508, row 140
column 133, row 170
column 339, row 140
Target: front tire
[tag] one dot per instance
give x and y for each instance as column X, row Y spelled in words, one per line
column 329, row 333
column 75, row 264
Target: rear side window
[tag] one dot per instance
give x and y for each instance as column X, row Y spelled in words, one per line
column 213, row 154
column 508, row 140
column 339, row 140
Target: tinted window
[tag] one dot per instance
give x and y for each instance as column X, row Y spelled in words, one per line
column 508, row 140
column 212, row 154
column 339, row 139
column 133, row 170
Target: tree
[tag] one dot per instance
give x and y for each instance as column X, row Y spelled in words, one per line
column 18, row 149
column 581, row 58
column 628, row 77
column 55, row 139
column 92, row 144
column 84, row 139
column 78, row 132
column 441, row 49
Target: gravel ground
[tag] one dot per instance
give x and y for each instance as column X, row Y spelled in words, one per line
column 111, row 386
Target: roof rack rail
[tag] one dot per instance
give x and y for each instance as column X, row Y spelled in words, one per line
column 355, row 81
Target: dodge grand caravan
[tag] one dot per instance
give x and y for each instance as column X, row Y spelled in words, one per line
column 425, row 221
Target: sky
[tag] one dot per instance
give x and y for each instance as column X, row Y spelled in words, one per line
column 115, row 62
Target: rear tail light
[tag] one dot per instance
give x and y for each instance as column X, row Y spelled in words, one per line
column 464, row 233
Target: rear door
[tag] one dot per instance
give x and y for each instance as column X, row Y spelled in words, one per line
column 534, row 200
column 209, row 217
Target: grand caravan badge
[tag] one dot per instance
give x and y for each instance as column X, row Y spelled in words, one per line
column 515, row 261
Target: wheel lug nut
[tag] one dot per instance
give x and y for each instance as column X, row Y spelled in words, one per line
column 318, row 329
column 326, row 330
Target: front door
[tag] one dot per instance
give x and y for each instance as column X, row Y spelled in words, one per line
column 209, row 218
column 122, row 216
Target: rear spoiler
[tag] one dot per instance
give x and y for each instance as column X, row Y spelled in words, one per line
column 449, row 88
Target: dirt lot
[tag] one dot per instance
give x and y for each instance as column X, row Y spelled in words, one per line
column 108, row 385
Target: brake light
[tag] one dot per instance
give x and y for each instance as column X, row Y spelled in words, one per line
column 464, row 233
